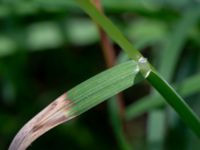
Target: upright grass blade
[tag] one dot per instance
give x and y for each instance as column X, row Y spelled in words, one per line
column 109, row 28
column 156, row 135
column 145, row 68
column 116, row 122
column 176, row 41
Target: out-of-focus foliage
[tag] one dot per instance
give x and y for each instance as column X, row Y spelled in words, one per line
column 47, row 47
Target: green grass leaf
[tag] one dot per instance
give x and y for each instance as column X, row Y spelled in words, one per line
column 147, row 103
column 175, row 42
column 110, row 29
column 170, row 95
column 102, row 86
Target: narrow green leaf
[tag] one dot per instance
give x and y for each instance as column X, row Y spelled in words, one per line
column 143, row 105
column 102, row 86
column 109, row 28
column 155, row 135
column 184, row 111
column 175, row 42
column 147, row 103
column 116, row 122
column 190, row 85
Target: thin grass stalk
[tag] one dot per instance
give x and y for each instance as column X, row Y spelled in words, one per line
column 145, row 68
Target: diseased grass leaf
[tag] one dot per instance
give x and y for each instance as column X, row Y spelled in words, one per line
column 76, row 101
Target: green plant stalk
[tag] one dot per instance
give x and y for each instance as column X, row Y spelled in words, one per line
column 147, row 103
column 172, row 49
column 175, row 101
column 109, row 28
column 145, row 68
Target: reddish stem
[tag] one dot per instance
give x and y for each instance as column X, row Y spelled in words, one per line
column 109, row 54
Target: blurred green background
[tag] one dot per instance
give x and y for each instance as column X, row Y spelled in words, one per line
column 47, row 47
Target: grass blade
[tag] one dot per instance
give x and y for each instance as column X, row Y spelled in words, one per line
column 175, row 101
column 117, row 125
column 109, row 28
column 76, row 101
column 190, row 85
column 186, row 88
column 102, row 86
column 176, row 41
column 172, row 49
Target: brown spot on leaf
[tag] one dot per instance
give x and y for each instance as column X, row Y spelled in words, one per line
column 53, row 115
column 36, row 128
